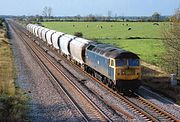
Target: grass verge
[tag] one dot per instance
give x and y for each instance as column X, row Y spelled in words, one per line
column 13, row 102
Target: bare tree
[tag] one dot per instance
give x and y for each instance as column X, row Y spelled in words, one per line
column 91, row 17
column 172, row 45
column 115, row 16
column 156, row 16
column 109, row 14
column 47, row 12
column 44, row 12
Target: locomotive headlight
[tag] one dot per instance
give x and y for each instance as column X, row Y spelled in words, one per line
column 123, row 72
column 118, row 71
column 137, row 72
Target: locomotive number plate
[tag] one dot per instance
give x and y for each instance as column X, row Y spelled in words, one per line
column 129, row 72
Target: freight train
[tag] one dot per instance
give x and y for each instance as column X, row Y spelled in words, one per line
column 118, row 68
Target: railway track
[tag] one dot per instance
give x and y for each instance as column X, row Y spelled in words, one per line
column 149, row 111
column 83, row 104
column 154, row 110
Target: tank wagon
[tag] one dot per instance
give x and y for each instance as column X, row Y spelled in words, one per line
column 55, row 40
column 118, row 68
column 77, row 50
column 40, row 32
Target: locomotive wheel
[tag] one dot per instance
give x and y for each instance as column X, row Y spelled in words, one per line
column 114, row 88
column 110, row 84
column 104, row 81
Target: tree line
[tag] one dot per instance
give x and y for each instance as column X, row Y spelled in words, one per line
column 95, row 18
column 47, row 16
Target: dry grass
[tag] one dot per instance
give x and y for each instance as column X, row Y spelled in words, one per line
column 13, row 102
column 2, row 33
column 7, row 73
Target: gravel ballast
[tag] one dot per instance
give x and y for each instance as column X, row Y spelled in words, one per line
column 160, row 101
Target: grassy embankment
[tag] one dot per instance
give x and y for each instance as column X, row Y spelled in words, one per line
column 12, row 100
column 148, row 44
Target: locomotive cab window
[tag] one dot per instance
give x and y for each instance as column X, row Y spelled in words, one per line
column 121, row 62
column 112, row 63
column 90, row 47
column 133, row 62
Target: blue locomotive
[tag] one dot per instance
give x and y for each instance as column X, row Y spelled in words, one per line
column 118, row 68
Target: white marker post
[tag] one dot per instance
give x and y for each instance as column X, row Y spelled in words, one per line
column 173, row 80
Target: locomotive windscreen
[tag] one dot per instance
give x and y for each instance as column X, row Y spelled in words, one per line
column 127, row 62
column 133, row 62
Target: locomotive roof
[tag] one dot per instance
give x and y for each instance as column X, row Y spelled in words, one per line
column 112, row 52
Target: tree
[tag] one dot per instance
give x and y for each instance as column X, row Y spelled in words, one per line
column 176, row 17
column 156, row 16
column 78, row 17
column 1, row 22
column 78, row 34
column 172, row 45
column 109, row 14
column 91, row 17
column 47, row 12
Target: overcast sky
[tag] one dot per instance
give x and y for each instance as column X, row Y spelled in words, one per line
column 86, row 7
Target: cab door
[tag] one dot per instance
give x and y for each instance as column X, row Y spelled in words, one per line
column 111, row 69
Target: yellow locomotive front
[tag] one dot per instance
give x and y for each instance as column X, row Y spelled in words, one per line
column 127, row 69
column 127, row 73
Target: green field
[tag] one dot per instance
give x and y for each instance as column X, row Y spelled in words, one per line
column 149, row 46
